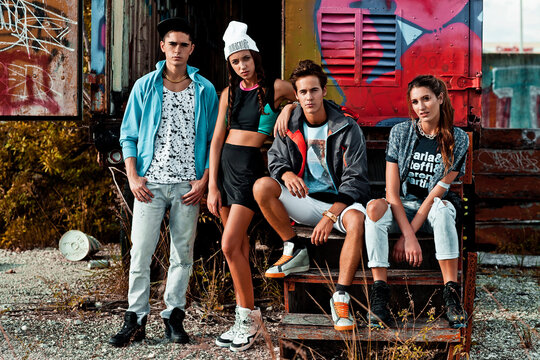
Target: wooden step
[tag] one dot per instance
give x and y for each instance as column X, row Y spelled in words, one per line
column 321, row 327
column 327, row 255
column 395, row 277
column 310, row 291
column 304, row 231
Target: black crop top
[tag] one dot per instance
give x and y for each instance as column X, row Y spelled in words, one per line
column 245, row 111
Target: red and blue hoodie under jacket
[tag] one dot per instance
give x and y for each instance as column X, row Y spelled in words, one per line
column 345, row 155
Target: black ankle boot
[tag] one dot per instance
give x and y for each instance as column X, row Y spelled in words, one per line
column 131, row 330
column 456, row 315
column 380, row 295
column 174, row 328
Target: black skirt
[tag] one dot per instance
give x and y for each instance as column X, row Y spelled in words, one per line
column 240, row 167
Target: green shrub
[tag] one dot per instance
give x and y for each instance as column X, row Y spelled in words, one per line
column 50, row 183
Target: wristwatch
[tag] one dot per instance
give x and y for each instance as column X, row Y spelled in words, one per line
column 330, row 215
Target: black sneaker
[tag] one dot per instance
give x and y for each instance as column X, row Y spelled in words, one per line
column 456, row 315
column 379, row 316
column 131, row 331
column 174, row 328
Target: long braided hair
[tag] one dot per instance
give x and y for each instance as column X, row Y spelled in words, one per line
column 234, row 81
column 445, row 134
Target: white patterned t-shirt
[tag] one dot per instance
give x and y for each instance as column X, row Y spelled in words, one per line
column 316, row 175
column 174, row 145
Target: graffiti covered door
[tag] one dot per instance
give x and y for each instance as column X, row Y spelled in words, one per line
column 40, row 59
column 372, row 49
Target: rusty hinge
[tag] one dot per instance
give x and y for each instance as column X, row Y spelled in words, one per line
column 458, row 82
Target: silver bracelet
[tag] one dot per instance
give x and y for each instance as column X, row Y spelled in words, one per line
column 444, row 185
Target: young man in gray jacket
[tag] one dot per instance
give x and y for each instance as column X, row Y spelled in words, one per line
column 318, row 178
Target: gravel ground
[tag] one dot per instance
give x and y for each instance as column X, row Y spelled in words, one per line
column 507, row 314
column 39, row 287
column 37, row 321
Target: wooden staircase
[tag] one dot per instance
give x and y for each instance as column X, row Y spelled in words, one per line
column 307, row 294
column 307, row 306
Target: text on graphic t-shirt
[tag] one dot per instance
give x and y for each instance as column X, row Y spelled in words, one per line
column 422, row 167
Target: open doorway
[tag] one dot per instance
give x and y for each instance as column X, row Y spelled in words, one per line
column 210, row 19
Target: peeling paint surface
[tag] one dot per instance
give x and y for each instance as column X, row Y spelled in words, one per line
column 38, row 58
column 511, row 91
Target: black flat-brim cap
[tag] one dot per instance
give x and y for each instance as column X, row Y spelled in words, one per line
column 174, row 24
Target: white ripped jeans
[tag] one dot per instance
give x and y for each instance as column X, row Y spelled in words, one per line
column 441, row 222
column 145, row 232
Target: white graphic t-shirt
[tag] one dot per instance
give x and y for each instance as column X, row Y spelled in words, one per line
column 174, row 145
column 316, row 175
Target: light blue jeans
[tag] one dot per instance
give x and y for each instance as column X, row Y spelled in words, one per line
column 145, row 232
column 441, row 222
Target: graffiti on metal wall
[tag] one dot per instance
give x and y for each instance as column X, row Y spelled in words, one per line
column 38, row 58
column 496, row 161
column 372, row 48
column 99, row 36
column 98, row 56
column 512, row 100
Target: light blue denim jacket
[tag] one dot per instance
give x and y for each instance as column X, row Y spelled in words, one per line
column 143, row 116
column 402, row 141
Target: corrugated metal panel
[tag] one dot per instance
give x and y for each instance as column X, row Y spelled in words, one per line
column 143, row 38
column 119, row 46
column 379, row 47
column 507, row 189
column 338, row 44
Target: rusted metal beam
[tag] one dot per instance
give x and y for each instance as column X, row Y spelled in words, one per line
column 467, row 178
column 99, row 95
column 507, row 187
column 288, row 288
column 510, row 138
column 506, row 233
column 512, row 211
column 450, row 354
column 468, row 302
column 490, row 161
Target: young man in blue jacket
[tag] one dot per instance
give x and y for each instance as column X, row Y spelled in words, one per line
column 319, row 178
column 165, row 138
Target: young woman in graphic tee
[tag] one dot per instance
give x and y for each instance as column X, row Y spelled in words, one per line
column 423, row 157
column 247, row 114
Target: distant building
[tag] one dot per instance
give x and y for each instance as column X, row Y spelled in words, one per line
column 510, row 47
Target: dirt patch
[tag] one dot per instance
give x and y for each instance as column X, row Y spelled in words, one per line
column 51, row 308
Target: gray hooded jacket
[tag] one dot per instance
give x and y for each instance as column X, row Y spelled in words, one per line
column 345, row 154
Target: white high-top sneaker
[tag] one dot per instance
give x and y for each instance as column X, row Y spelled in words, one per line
column 292, row 261
column 226, row 339
column 341, row 311
column 248, row 328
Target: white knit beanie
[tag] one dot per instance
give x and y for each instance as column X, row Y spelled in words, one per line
column 236, row 39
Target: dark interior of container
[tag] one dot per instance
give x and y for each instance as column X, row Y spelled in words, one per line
column 209, row 19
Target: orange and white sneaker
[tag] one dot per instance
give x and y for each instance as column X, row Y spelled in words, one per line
column 341, row 311
column 292, row 261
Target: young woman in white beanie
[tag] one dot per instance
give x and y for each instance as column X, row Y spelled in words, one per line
column 247, row 115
